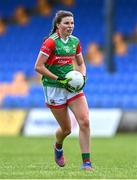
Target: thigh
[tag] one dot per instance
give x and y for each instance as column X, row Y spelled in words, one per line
column 62, row 116
column 80, row 109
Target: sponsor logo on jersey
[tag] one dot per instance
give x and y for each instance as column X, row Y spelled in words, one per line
column 64, row 59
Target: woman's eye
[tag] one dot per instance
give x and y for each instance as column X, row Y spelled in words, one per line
column 68, row 23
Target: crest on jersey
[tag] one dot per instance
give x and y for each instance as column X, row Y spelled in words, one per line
column 67, row 49
column 74, row 47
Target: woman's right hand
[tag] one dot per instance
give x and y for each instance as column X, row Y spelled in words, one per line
column 64, row 82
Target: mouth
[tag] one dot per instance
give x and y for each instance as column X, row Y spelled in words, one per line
column 69, row 30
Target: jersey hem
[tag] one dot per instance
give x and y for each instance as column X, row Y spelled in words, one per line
column 53, row 85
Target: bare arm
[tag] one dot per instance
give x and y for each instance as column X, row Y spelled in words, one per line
column 80, row 64
column 40, row 66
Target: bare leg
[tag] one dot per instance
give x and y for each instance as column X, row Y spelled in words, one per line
column 62, row 116
column 80, row 109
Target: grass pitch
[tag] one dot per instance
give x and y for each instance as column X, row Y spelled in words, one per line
column 32, row 158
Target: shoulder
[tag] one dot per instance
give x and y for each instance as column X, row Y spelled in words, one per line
column 51, row 38
column 48, row 45
column 74, row 38
column 49, row 41
column 54, row 36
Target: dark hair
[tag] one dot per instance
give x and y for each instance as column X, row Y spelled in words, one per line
column 57, row 19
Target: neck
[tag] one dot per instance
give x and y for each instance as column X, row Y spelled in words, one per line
column 63, row 36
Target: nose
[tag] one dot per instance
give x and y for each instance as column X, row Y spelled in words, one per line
column 71, row 25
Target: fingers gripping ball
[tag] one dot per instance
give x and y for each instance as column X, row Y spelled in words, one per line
column 77, row 81
column 63, row 81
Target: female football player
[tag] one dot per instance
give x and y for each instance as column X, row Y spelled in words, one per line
column 56, row 57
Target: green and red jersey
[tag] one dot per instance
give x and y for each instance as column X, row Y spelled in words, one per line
column 61, row 55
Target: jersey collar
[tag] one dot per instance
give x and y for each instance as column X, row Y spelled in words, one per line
column 64, row 41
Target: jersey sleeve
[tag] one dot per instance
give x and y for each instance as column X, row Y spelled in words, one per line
column 79, row 49
column 47, row 47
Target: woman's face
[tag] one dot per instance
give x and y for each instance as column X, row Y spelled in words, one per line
column 66, row 26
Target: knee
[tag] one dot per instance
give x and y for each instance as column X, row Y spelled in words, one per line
column 84, row 123
column 67, row 132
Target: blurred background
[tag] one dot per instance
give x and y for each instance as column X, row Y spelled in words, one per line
column 108, row 34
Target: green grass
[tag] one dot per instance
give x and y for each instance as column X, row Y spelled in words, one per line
column 32, row 158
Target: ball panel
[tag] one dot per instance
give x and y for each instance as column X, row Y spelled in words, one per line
column 77, row 79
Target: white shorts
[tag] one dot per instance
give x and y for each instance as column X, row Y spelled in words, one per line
column 59, row 97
